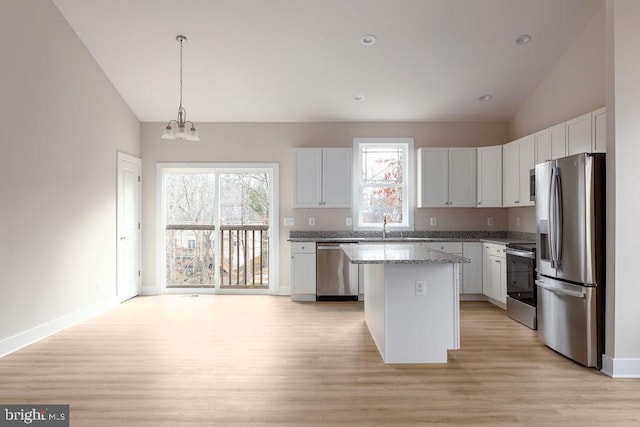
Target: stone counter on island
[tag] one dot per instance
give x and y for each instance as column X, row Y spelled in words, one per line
column 398, row 253
column 411, row 300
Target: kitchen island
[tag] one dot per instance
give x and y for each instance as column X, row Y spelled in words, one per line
column 411, row 300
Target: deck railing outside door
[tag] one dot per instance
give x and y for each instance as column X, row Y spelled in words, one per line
column 244, row 256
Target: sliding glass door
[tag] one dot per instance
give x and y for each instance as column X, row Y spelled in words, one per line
column 218, row 227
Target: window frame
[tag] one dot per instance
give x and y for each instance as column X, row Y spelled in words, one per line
column 408, row 185
column 273, row 169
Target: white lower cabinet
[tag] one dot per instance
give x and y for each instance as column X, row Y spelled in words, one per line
column 494, row 273
column 303, row 271
column 454, row 248
column 472, row 272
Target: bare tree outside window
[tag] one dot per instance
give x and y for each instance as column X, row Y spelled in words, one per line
column 382, row 184
column 190, row 228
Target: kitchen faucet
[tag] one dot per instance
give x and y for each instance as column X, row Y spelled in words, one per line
column 384, row 226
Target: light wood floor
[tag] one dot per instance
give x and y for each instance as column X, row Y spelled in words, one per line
column 253, row 360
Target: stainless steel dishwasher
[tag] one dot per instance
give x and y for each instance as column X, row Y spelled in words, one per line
column 336, row 277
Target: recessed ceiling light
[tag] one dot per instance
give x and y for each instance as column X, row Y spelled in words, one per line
column 485, row 98
column 368, row 39
column 523, row 39
column 359, row 97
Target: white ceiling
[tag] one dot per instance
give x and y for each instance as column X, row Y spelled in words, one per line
column 302, row 60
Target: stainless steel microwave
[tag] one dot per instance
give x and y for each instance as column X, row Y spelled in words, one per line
column 532, row 185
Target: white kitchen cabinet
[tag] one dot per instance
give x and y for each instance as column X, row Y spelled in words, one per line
column 579, row 135
column 510, row 173
column 494, row 273
column 599, row 130
column 472, row 272
column 517, row 162
column 322, row 177
column 489, row 193
column 551, row 143
column 303, row 271
column 454, row 248
column 446, row 177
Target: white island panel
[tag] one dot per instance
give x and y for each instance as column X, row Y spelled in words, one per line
column 374, row 302
column 407, row 327
column 420, row 328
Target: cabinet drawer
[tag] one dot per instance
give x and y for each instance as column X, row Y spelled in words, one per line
column 303, row 247
column 494, row 250
column 448, row 247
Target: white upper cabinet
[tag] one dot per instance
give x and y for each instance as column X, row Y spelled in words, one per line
column 527, row 162
column 322, row 177
column 558, row 135
column 432, row 177
column 599, row 130
column 551, row 143
column 307, row 177
column 579, row 135
column 510, row 170
column 489, row 177
column 517, row 162
column 446, row 177
column 337, row 183
column 462, row 177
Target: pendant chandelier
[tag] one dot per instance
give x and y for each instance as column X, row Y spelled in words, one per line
column 178, row 130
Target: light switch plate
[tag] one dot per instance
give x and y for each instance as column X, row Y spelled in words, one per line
column 289, row 222
column 312, row 221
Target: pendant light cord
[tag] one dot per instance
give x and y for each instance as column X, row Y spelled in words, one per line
column 181, row 41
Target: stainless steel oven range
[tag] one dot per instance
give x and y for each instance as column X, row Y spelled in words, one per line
column 522, row 295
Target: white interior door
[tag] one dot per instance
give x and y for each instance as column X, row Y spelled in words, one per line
column 128, row 228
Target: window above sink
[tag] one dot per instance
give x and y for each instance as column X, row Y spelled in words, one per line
column 383, row 183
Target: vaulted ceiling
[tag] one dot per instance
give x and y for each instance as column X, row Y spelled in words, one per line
column 303, row 60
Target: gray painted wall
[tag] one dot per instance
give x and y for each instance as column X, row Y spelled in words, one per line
column 62, row 124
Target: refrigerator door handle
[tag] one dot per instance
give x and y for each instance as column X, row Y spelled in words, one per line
column 555, row 218
column 559, row 218
column 560, row 291
column 551, row 216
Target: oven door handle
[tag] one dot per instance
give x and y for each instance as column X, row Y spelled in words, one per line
column 517, row 252
column 560, row 291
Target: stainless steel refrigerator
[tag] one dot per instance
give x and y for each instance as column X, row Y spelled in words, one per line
column 570, row 215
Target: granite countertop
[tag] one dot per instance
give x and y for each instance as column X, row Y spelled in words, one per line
column 497, row 237
column 409, row 253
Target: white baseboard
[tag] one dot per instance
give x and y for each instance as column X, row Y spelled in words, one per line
column 30, row 336
column 620, row 367
column 150, row 290
column 473, row 297
column 284, row 290
column 303, row 297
